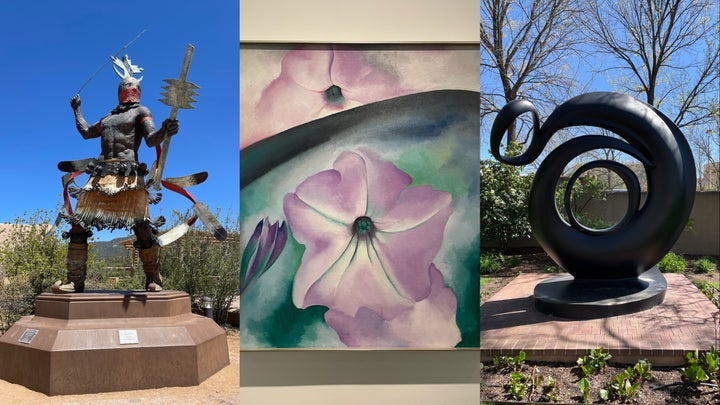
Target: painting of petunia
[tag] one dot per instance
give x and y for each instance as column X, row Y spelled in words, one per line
column 283, row 88
column 359, row 193
column 370, row 242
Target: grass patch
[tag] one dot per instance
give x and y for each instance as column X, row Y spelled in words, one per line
column 705, row 265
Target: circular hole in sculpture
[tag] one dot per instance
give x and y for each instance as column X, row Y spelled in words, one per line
column 599, row 197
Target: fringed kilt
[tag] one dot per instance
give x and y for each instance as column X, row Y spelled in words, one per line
column 112, row 201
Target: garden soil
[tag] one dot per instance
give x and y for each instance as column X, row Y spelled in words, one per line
column 666, row 386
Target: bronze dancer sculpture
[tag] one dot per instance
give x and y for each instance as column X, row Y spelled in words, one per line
column 116, row 194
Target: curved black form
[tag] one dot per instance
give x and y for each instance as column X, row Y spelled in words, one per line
column 644, row 235
column 420, row 113
column 633, row 188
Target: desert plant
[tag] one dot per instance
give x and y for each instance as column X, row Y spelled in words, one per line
column 202, row 266
column 705, row 265
column 593, row 362
column 33, row 250
column 15, row 302
column 32, row 258
column 672, row 263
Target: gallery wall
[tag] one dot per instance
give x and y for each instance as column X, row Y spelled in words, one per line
column 359, row 377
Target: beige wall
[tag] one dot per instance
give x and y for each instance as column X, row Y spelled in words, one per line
column 367, row 21
column 359, row 377
column 703, row 238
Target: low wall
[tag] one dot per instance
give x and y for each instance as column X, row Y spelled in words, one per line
column 701, row 238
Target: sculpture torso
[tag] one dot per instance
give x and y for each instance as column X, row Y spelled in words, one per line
column 122, row 131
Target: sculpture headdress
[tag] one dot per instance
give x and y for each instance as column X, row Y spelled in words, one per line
column 129, row 88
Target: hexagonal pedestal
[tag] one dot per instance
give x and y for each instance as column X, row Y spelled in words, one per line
column 102, row 341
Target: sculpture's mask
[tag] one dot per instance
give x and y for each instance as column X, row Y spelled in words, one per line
column 129, row 91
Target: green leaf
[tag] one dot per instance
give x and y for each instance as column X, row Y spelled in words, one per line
column 584, row 384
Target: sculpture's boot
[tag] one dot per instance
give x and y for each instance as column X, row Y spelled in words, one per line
column 76, row 263
column 150, row 258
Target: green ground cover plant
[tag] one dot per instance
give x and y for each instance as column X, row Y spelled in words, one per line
column 710, row 289
column 705, row 265
column 490, row 262
column 511, row 363
column 702, row 366
column 593, row 362
column 672, row 263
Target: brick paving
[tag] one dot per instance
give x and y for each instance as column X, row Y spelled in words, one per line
column 509, row 323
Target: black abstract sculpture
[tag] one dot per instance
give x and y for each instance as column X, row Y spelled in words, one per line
column 613, row 269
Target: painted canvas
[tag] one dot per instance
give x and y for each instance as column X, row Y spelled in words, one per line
column 359, row 193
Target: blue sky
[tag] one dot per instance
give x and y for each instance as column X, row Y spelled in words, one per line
column 50, row 49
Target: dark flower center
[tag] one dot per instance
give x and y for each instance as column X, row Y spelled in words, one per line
column 363, row 226
column 334, row 96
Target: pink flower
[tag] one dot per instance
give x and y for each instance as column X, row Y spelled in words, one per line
column 316, row 81
column 429, row 323
column 370, row 242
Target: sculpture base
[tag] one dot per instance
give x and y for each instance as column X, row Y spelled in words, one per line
column 567, row 297
column 101, row 341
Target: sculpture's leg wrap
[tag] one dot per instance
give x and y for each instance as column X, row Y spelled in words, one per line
column 76, row 263
column 150, row 258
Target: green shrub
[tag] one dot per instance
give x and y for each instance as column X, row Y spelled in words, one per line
column 490, row 262
column 16, row 301
column 705, row 265
column 672, row 263
column 202, row 266
column 504, row 201
column 32, row 258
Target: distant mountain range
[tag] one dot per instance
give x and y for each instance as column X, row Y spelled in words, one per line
column 109, row 249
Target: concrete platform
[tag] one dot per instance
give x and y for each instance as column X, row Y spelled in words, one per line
column 509, row 322
column 111, row 341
